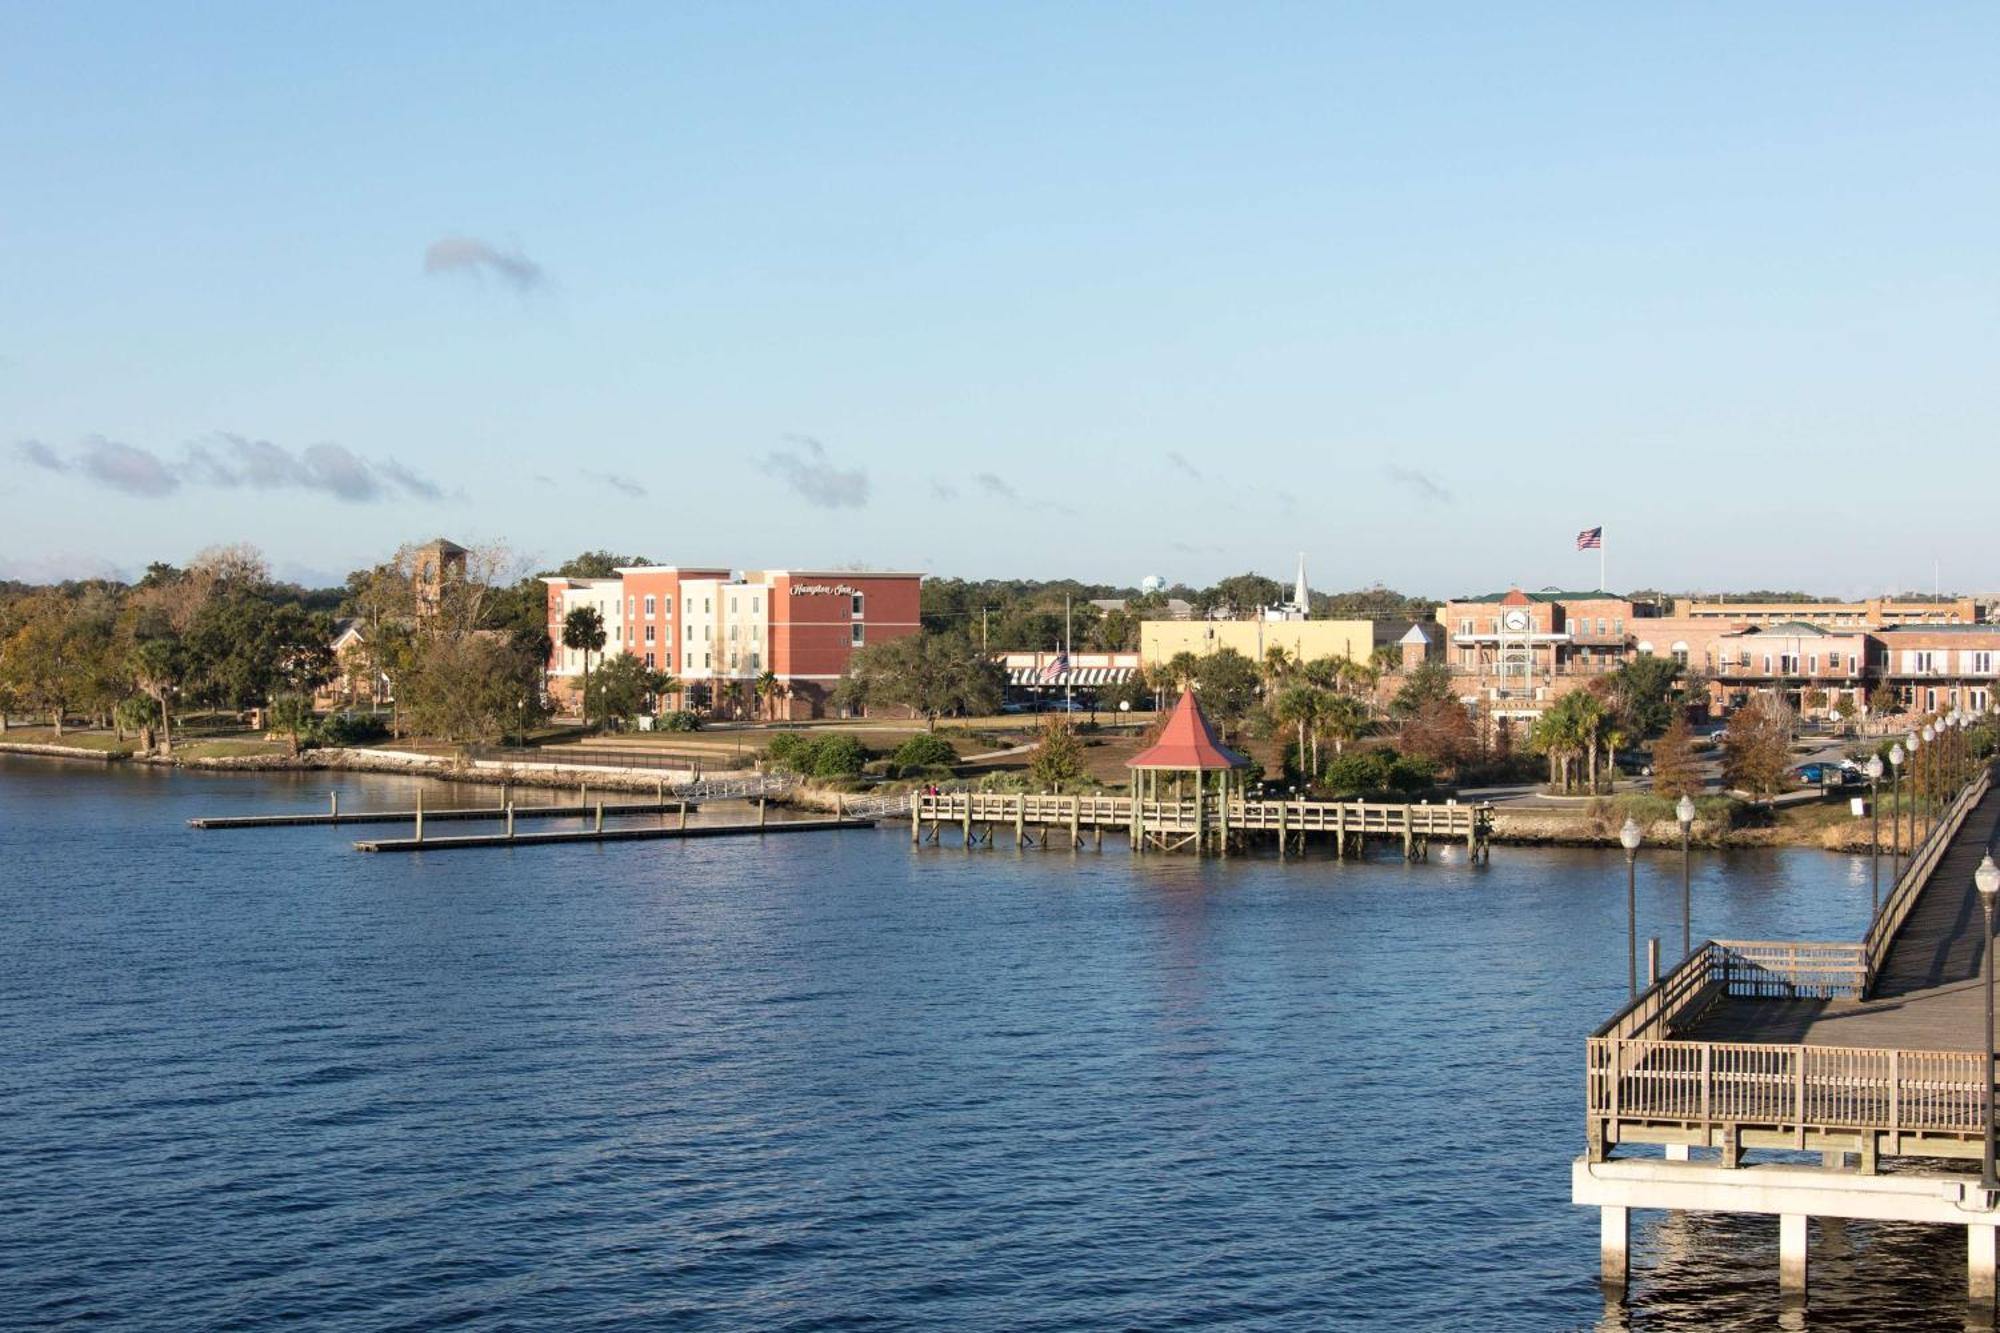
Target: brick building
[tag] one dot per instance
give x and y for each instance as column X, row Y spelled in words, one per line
column 719, row 632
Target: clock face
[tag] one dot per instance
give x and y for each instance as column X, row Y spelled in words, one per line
column 1517, row 620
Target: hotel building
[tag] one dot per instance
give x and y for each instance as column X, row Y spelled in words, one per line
column 718, row 632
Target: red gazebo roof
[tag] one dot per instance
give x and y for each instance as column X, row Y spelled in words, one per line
column 1188, row 743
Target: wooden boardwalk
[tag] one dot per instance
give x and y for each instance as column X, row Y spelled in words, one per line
column 1176, row 825
column 1925, row 996
column 1868, row 1047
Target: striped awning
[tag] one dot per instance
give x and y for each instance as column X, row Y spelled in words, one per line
column 1076, row 677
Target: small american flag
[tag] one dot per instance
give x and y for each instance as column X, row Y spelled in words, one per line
column 1057, row 668
column 1590, row 539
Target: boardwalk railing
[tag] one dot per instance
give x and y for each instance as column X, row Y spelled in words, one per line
column 1188, row 816
column 1745, row 969
column 1717, row 1086
column 1903, row 897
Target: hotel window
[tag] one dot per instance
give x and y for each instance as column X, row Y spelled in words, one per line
column 667, row 605
column 1982, row 665
column 707, row 605
column 651, row 601
column 650, row 664
column 857, row 610
column 733, row 631
column 1767, row 664
column 1618, row 625
column 1600, row 627
column 732, row 606
column 649, row 639
column 1812, row 665
column 756, row 605
column 1465, row 626
column 855, row 640
column 631, row 606
column 756, row 633
column 755, row 661
column 707, row 661
column 708, row 633
column 690, row 633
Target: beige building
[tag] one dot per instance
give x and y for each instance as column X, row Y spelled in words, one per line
column 1163, row 640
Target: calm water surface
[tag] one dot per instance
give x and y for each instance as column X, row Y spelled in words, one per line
column 826, row 1082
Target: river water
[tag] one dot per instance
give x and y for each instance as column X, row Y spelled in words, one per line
column 828, row 1082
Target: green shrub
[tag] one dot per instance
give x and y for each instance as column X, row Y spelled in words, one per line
column 924, row 750
column 837, row 757
column 823, row 757
column 351, row 729
column 678, row 720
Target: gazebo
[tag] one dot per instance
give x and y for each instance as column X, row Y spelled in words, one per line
column 1187, row 745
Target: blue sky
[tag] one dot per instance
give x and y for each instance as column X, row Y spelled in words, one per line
column 1103, row 290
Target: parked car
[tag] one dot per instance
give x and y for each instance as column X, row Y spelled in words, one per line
column 1826, row 774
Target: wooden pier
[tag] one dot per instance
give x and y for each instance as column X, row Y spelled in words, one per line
column 1856, row 1050
column 1201, row 825
column 639, row 834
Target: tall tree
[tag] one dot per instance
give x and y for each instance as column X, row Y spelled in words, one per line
column 930, row 674
column 1757, row 753
column 583, row 632
column 1674, row 772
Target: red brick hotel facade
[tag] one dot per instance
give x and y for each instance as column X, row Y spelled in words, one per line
column 706, row 625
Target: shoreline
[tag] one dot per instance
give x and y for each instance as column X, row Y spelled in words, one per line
column 1526, row 828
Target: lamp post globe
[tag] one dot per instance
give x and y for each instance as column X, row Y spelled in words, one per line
column 1896, row 761
column 1987, row 880
column 1629, row 838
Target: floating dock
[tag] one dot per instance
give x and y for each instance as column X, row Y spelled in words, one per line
column 604, row 835
column 490, row 812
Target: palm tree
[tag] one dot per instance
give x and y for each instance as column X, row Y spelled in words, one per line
column 583, row 632
column 767, row 691
column 1299, row 705
column 1344, row 719
column 1278, row 666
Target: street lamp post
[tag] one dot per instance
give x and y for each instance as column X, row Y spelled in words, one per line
column 1915, row 745
column 1874, row 771
column 1629, row 838
column 1927, row 784
column 1684, row 812
column 1987, row 880
column 1896, row 758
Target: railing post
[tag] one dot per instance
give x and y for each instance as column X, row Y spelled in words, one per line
column 1799, row 1091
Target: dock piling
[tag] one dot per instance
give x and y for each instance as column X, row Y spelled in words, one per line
column 333, row 804
column 510, row 820
column 598, row 826
column 420, row 814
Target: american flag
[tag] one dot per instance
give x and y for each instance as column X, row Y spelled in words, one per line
column 1590, row 539
column 1057, row 668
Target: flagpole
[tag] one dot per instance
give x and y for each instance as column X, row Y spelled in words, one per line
column 1600, row 561
column 1069, row 656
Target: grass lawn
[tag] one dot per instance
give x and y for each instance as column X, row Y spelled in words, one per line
column 75, row 738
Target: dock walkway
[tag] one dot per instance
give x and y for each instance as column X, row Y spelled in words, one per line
column 1926, row 994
